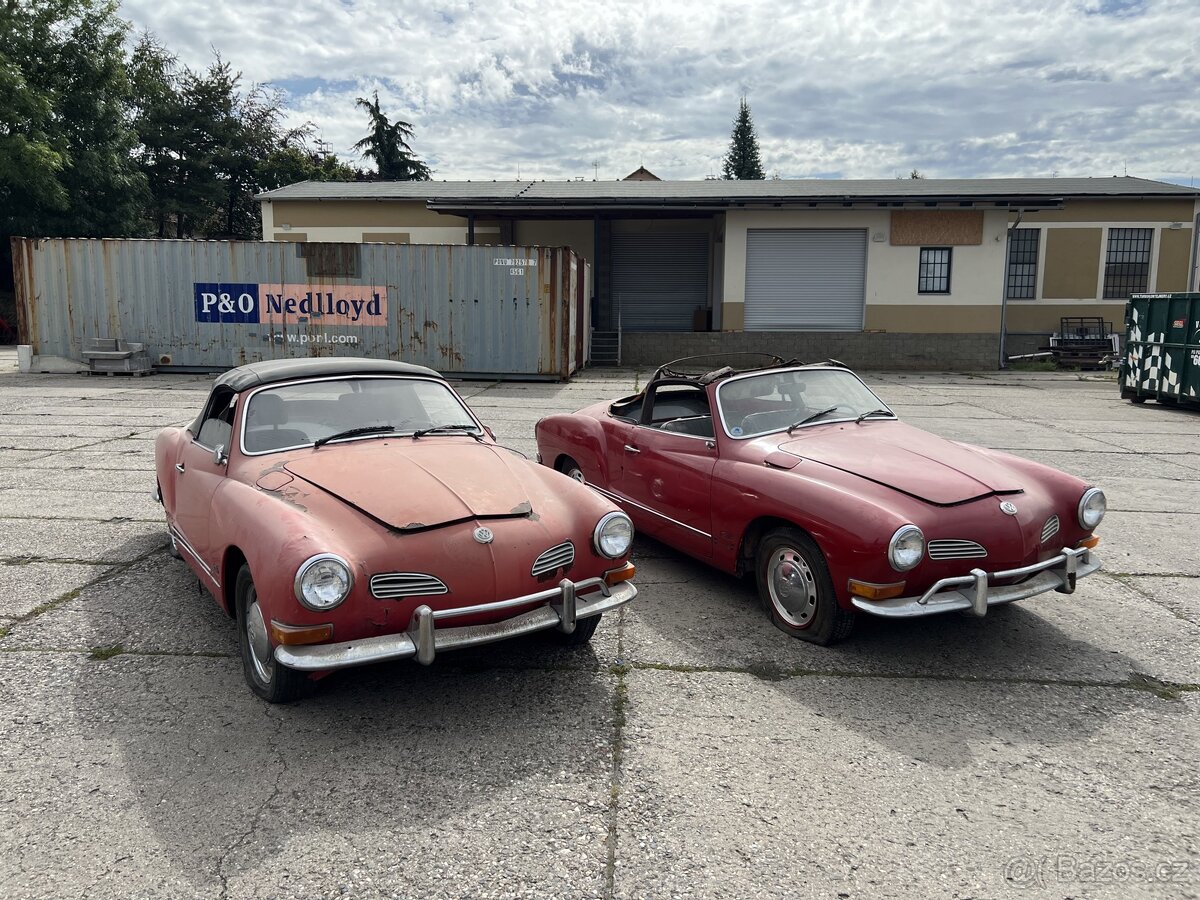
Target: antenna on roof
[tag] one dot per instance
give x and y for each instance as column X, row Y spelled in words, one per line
column 595, row 170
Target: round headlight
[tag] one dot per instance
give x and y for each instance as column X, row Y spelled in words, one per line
column 613, row 535
column 1091, row 508
column 906, row 548
column 323, row 581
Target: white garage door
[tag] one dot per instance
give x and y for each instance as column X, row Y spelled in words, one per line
column 659, row 280
column 805, row 279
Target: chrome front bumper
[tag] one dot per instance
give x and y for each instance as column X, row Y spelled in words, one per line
column 564, row 606
column 973, row 593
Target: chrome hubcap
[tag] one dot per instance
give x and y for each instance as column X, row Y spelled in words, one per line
column 260, row 644
column 792, row 587
column 576, row 473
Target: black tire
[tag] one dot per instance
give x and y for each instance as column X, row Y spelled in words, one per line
column 1137, row 398
column 795, row 588
column 584, row 629
column 571, row 469
column 267, row 678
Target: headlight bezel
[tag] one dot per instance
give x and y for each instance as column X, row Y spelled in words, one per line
column 598, row 533
column 903, row 532
column 1082, row 508
column 307, row 566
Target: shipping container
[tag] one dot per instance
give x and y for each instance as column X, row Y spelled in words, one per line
column 1162, row 348
column 211, row 305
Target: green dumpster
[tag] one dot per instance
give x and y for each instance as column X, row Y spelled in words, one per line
column 1162, row 349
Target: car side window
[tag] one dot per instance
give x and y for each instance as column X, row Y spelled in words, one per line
column 217, row 428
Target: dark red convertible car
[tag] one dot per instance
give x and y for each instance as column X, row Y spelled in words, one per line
column 803, row 476
column 347, row 511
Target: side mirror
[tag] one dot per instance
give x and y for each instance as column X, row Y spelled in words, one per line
column 220, row 457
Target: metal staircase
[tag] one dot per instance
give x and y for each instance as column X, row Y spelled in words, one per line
column 606, row 348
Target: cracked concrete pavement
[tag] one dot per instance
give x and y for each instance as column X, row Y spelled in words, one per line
column 691, row 750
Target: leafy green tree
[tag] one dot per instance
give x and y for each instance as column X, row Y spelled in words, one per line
column 288, row 165
column 65, row 140
column 205, row 144
column 387, row 145
column 742, row 160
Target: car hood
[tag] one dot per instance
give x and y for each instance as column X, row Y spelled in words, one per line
column 908, row 459
column 412, row 485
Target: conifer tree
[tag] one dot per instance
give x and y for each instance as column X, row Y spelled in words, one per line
column 742, row 161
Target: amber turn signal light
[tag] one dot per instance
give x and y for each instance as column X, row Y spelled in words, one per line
column 876, row 591
column 616, row 576
column 300, row 634
column 1088, row 542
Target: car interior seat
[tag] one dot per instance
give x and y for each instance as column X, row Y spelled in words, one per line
column 263, row 418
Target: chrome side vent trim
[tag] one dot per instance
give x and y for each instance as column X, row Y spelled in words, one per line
column 1050, row 529
column 555, row 558
column 954, row 549
column 393, row 585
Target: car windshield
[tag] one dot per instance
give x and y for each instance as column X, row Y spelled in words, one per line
column 296, row 415
column 794, row 398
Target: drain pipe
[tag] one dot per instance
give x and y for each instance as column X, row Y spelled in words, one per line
column 1004, row 291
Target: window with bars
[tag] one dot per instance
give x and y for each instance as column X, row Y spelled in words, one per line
column 933, row 273
column 1022, row 263
column 1127, row 264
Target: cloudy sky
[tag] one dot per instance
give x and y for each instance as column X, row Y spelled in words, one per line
column 837, row 88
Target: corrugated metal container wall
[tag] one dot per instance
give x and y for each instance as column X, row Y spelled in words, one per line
column 1162, row 348
column 217, row 304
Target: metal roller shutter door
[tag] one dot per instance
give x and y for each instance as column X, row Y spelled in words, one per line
column 805, row 279
column 658, row 280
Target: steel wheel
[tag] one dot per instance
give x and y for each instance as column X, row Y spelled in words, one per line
column 571, row 469
column 271, row 681
column 792, row 587
column 795, row 588
column 257, row 639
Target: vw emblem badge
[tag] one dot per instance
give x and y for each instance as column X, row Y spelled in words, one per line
column 1009, row 509
column 484, row 535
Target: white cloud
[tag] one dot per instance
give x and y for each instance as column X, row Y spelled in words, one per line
column 858, row 89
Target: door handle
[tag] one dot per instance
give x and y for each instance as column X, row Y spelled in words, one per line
column 179, row 467
column 629, row 449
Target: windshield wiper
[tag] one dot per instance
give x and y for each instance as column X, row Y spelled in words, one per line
column 353, row 432
column 471, row 431
column 815, row 415
column 875, row 412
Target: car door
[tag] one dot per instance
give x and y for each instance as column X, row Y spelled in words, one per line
column 197, row 475
column 668, row 461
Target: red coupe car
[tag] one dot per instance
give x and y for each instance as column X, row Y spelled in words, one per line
column 802, row 475
column 347, row 511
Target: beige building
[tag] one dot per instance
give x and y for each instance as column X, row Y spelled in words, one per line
column 908, row 271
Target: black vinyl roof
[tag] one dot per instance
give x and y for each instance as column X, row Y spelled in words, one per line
column 276, row 370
